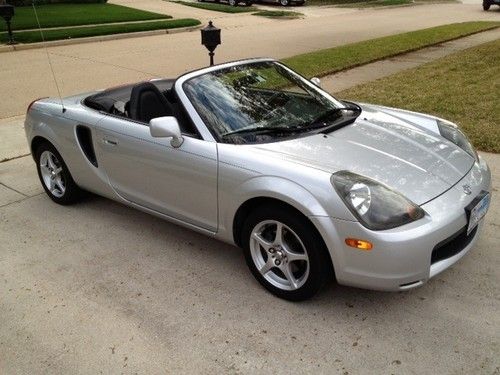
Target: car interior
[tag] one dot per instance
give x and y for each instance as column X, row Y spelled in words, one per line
column 143, row 102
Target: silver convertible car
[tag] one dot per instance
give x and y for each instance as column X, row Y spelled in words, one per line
column 251, row 153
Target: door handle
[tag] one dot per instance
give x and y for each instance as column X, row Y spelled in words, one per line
column 110, row 141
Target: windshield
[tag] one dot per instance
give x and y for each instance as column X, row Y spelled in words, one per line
column 260, row 102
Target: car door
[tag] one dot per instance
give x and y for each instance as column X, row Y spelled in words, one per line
column 178, row 182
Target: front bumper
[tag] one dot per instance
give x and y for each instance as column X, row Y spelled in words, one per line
column 401, row 258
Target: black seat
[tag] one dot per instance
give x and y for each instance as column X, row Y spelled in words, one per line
column 147, row 102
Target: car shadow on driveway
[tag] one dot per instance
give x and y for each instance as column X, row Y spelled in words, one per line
column 216, row 263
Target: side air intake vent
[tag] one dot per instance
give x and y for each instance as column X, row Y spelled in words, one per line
column 85, row 140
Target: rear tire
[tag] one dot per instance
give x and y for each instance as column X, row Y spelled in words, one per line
column 293, row 264
column 233, row 3
column 55, row 176
column 486, row 5
column 285, row 3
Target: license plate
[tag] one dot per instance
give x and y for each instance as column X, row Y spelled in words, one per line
column 477, row 209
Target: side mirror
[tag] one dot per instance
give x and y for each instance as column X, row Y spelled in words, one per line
column 166, row 127
column 316, row 81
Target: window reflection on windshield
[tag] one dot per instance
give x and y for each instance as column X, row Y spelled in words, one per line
column 256, row 102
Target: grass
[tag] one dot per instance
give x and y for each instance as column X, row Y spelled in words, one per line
column 60, row 15
column 278, row 14
column 370, row 3
column 462, row 87
column 218, row 7
column 335, row 59
column 81, row 32
column 333, row 2
column 383, row 3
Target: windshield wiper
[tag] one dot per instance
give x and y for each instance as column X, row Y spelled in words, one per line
column 324, row 116
column 315, row 124
column 264, row 129
column 319, row 125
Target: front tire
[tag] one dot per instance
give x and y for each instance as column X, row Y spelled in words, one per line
column 55, row 176
column 285, row 253
column 233, row 3
column 285, row 2
column 486, row 5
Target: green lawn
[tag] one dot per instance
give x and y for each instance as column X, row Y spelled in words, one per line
column 333, row 2
column 370, row 3
column 335, row 59
column 278, row 14
column 218, row 7
column 81, row 32
column 59, row 15
column 463, row 88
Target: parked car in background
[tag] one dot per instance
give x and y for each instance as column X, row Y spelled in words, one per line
column 488, row 3
column 233, row 3
column 284, row 2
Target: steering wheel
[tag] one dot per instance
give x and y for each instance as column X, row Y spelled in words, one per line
column 278, row 95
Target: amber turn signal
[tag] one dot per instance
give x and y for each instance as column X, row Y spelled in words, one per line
column 358, row 244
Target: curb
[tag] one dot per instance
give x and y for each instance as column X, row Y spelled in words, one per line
column 102, row 38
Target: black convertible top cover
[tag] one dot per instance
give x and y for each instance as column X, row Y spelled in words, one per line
column 105, row 100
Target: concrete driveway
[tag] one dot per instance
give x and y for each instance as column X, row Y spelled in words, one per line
column 102, row 288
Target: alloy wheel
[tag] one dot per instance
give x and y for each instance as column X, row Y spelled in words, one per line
column 279, row 255
column 52, row 176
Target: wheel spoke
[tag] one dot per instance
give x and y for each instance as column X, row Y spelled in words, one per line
column 58, row 170
column 266, row 267
column 278, row 240
column 51, row 185
column 44, row 168
column 51, row 162
column 262, row 242
column 289, row 275
column 292, row 257
column 59, row 184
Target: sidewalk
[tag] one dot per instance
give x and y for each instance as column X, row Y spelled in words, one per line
column 344, row 80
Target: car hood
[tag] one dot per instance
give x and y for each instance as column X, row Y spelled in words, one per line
column 400, row 149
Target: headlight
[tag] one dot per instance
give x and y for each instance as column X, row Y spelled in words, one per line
column 376, row 206
column 452, row 133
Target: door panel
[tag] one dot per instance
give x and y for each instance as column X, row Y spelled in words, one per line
column 179, row 182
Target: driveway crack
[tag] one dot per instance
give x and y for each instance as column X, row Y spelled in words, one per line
column 15, row 190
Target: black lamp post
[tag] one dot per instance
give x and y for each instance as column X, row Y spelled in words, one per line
column 7, row 12
column 210, row 38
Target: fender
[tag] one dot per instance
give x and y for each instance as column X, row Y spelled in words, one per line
column 274, row 187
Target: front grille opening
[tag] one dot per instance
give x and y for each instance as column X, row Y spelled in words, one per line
column 452, row 245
